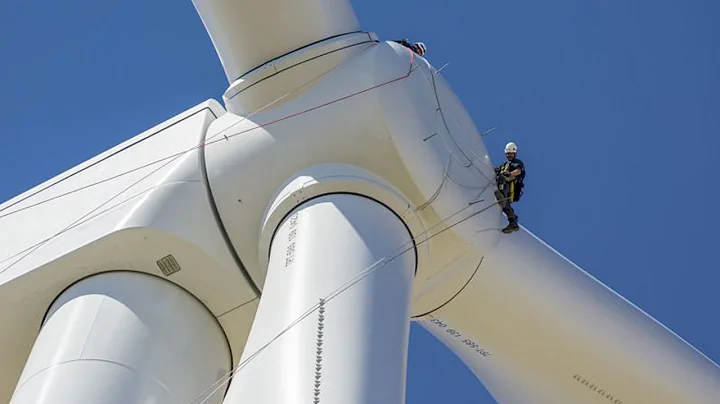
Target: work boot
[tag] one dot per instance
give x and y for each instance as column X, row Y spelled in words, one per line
column 511, row 227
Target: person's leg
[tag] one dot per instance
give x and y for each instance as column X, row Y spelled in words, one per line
column 510, row 212
column 504, row 201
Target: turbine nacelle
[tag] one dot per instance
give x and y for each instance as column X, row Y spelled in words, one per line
column 186, row 200
column 322, row 121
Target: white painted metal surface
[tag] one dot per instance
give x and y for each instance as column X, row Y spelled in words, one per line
column 281, row 79
column 377, row 111
column 127, row 208
column 326, row 179
column 248, row 34
column 124, row 337
column 197, row 188
column 353, row 348
column 100, row 195
column 535, row 328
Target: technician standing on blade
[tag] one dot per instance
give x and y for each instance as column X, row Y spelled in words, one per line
column 510, row 177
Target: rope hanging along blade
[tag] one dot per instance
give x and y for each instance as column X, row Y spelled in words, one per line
column 214, row 387
column 176, row 155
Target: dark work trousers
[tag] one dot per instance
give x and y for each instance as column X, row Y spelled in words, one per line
column 502, row 195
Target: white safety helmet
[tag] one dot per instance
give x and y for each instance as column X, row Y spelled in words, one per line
column 420, row 48
column 510, row 148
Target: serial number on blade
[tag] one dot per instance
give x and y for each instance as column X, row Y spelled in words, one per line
column 292, row 235
column 457, row 335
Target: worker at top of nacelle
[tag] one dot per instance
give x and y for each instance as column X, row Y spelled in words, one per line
column 417, row 47
column 510, row 178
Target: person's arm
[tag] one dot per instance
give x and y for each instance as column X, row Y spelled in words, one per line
column 515, row 173
column 511, row 175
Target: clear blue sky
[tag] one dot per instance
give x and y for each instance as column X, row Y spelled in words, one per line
column 615, row 107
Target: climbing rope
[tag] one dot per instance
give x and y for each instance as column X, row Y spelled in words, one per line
column 408, row 246
column 87, row 216
column 175, row 155
column 447, row 128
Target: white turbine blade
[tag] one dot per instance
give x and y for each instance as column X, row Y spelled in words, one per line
column 249, row 34
column 535, row 328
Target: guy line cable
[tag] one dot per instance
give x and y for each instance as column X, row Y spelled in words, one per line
column 75, row 223
column 243, row 119
column 214, row 387
column 173, row 157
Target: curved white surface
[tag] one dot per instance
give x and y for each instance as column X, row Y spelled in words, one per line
column 250, row 33
column 375, row 113
column 530, row 324
column 124, row 337
column 353, row 350
column 329, row 179
column 99, row 195
column 535, row 328
column 126, row 208
column 281, row 79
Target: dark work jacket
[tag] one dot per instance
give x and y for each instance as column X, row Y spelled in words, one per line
column 516, row 185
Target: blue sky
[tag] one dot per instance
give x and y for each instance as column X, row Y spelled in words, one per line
column 615, row 107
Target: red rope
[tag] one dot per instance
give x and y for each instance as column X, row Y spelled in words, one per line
column 173, row 156
column 209, row 142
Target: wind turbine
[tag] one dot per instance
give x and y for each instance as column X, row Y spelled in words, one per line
column 287, row 239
